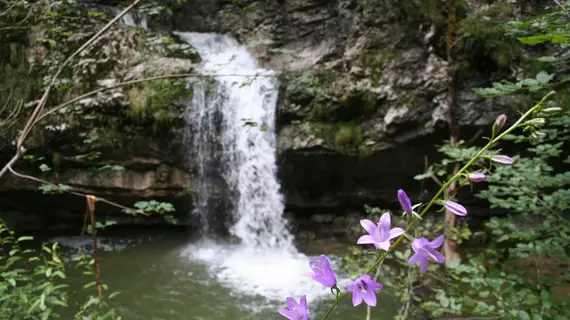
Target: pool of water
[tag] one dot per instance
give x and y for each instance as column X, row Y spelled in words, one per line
column 168, row 277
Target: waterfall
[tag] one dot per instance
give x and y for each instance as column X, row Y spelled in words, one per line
column 132, row 18
column 232, row 125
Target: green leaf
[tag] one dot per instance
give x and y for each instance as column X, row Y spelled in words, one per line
column 25, row 238
column 554, row 38
column 444, row 301
column 114, row 294
column 544, row 77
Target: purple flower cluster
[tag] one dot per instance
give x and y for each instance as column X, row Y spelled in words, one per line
column 364, row 288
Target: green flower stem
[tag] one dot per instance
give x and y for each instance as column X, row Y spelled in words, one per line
column 438, row 194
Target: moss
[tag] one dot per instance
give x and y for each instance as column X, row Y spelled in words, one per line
column 153, row 101
column 348, row 137
column 377, row 59
column 343, row 137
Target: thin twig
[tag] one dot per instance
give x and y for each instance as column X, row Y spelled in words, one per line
column 80, row 194
column 9, row 8
column 37, row 110
column 43, row 100
column 131, row 82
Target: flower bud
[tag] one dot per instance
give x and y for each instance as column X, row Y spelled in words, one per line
column 405, row 201
column 499, row 122
column 506, row 160
column 477, row 177
column 535, row 122
column 455, row 208
column 551, row 110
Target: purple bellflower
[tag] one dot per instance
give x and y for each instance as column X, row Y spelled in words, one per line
column 297, row 311
column 425, row 250
column 364, row 288
column 455, row 208
column 477, row 177
column 405, row 201
column 322, row 272
column 381, row 234
column 506, row 160
column 500, row 122
column 407, row 204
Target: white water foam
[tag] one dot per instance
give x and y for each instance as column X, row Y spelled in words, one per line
column 272, row 275
column 238, row 114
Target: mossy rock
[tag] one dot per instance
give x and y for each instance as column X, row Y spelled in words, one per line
column 154, row 101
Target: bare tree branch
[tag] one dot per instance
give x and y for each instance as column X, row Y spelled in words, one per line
column 128, row 83
column 31, row 121
column 77, row 193
column 43, row 100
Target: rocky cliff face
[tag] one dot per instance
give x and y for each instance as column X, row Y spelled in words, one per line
column 362, row 102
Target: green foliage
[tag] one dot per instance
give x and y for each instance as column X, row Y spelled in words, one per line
column 517, row 276
column 90, row 308
column 483, row 35
column 31, row 282
column 505, row 88
column 153, row 206
column 54, row 189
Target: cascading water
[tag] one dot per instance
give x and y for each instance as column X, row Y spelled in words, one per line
column 237, row 114
column 132, row 18
column 232, row 131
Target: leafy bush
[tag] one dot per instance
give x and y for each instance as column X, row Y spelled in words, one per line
column 34, row 284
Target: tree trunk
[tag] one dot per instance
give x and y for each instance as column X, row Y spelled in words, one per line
column 449, row 249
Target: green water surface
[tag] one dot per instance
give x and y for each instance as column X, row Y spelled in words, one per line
column 157, row 282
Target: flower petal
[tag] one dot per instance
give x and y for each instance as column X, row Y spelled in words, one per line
column 356, row 298
column 434, row 255
column 396, row 232
column 369, row 226
column 317, row 266
column 437, row 242
column 384, row 226
column 384, row 245
column 418, row 243
column 329, row 273
column 366, row 239
column 414, row 258
column 423, row 263
column 289, row 314
column 291, row 303
column 375, row 286
column 369, row 297
column 303, row 304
